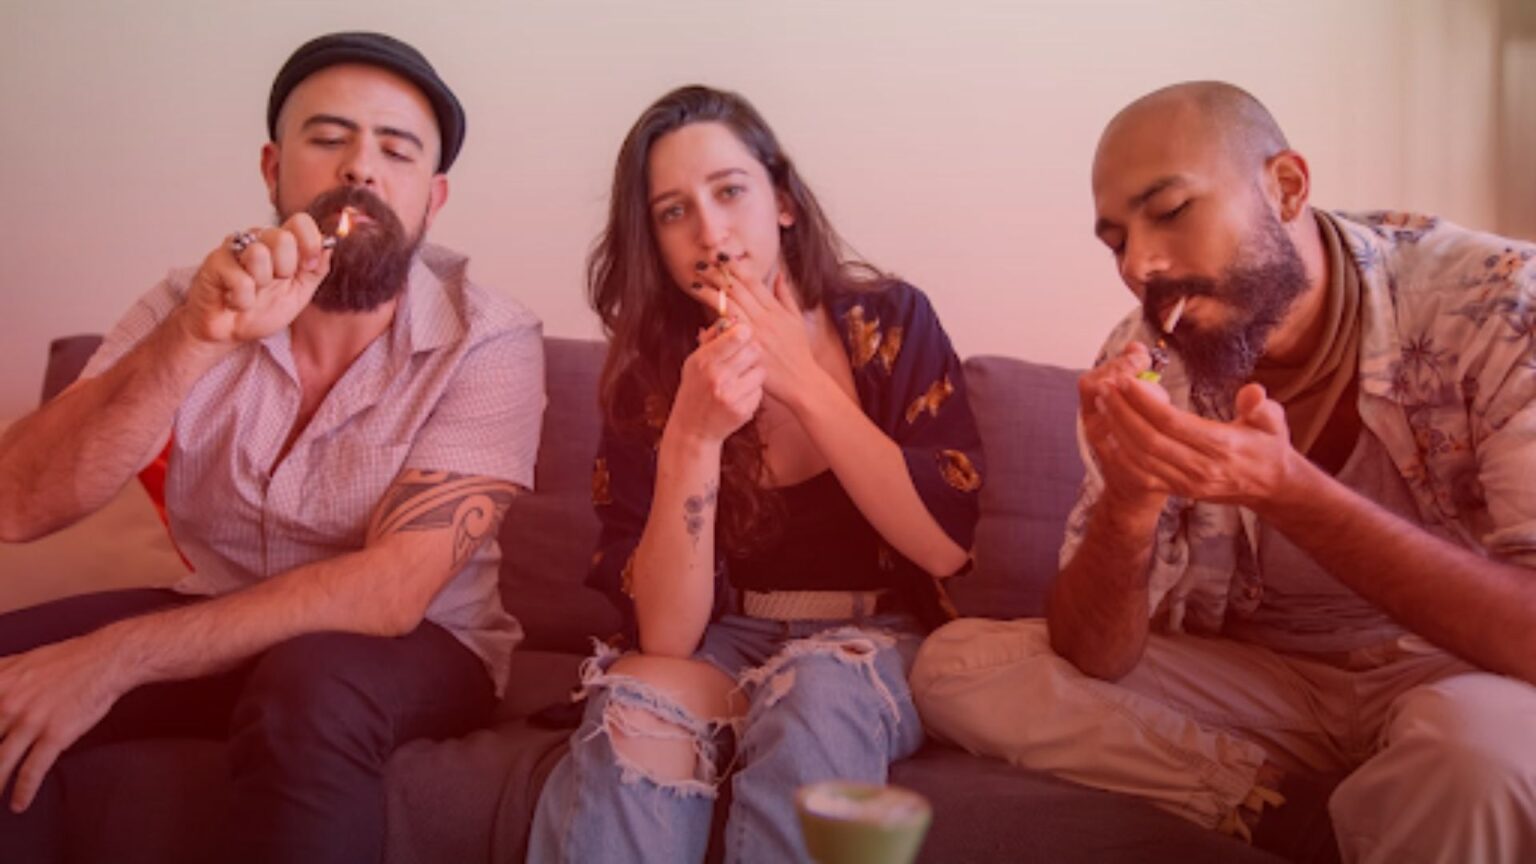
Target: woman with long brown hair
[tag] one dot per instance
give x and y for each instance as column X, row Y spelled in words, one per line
column 788, row 469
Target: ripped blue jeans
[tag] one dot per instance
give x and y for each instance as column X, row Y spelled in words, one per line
column 827, row 699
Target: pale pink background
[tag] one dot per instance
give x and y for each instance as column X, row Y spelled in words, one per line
column 950, row 140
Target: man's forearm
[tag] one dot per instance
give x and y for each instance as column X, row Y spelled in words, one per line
column 1480, row 609
column 1097, row 610
column 425, row 530
column 375, row 591
column 72, row 455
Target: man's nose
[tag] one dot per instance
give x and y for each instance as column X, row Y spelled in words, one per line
column 1141, row 262
column 358, row 169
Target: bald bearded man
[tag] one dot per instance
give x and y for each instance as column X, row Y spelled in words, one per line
column 1307, row 550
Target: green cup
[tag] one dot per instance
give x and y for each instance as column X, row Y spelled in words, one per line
column 845, row 822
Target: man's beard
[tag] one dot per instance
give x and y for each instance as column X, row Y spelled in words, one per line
column 371, row 264
column 1259, row 288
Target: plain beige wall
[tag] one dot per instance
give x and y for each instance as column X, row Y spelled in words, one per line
column 951, row 141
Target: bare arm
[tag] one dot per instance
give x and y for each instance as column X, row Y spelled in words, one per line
column 873, row 471
column 1098, row 607
column 869, row 465
column 68, row 458
column 674, row 565
column 423, row 533
column 1478, row 608
column 72, row 455
column 1097, row 610
column 1481, row 609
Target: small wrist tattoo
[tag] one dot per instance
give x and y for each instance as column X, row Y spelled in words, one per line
column 696, row 507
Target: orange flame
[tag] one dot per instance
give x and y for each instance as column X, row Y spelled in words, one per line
column 344, row 224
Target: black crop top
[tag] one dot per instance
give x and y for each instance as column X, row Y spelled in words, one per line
column 825, row 544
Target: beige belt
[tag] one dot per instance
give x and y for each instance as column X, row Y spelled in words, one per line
column 809, row 605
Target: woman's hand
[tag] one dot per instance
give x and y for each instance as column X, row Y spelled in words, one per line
column 722, row 385
column 779, row 325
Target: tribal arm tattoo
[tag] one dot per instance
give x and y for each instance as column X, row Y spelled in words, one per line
column 695, row 507
column 471, row 506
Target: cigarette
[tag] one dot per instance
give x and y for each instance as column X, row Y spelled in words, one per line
column 1171, row 320
column 720, row 260
column 343, row 228
column 1160, row 350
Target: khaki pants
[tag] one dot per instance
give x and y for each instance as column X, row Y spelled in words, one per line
column 1443, row 756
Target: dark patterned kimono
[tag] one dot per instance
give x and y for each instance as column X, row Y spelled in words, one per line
column 911, row 385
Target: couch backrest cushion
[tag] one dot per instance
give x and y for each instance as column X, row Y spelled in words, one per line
column 548, row 537
column 1027, row 415
column 1025, row 411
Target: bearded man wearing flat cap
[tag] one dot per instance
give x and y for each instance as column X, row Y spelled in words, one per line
column 344, row 420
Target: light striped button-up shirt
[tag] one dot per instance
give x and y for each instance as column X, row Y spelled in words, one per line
column 455, row 384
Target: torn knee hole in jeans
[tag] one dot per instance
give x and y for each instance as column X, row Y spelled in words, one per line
column 848, row 645
column 778, row 687
column 638, row 711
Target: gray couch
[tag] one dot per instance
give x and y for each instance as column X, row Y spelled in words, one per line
column 470, row 799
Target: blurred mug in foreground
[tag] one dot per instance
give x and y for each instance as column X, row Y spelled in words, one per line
column 845, row 822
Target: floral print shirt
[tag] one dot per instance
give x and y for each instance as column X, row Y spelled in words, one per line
column 1447, row 383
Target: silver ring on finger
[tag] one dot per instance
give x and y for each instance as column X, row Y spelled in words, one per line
column 241, row 241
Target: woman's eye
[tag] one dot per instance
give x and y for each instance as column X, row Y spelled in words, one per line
column 731, row 191
column 669, row 214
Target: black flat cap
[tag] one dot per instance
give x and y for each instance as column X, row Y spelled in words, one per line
column 373, row 49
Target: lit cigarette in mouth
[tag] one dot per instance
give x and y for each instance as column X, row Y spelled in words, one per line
column 1160, row 350
column 720, row 261
column 343, row 228
column 1171, row 320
